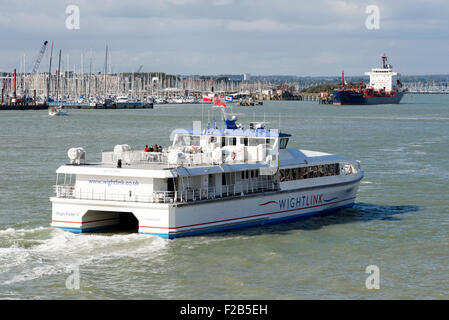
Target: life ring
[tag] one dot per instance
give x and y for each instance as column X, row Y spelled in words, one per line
column 233, row 155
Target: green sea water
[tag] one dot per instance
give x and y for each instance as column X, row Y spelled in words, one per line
column 400, row 222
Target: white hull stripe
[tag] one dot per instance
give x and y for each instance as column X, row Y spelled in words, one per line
column 246, row 217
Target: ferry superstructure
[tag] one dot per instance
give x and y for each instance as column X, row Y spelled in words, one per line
column 208, row 180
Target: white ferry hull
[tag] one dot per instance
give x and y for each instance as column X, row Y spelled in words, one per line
column 176, row 220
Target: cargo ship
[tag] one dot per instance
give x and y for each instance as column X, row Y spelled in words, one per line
column 385, row 87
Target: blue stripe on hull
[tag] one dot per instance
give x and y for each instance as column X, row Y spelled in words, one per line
column 249, row 224
column 78, row 230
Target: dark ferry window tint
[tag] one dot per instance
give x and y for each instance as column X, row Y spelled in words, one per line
column 195, row 140
column 223, row 141
column 244, row 141
column 288, row 174
column 293, row 173
column 282, row 175
column 234, row 141
column 283, row 143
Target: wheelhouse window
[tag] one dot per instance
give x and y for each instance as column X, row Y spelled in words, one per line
column 283, row 143
column 195, row 141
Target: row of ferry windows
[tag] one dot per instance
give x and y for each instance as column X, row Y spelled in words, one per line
column 231, row 141
column 309, row 172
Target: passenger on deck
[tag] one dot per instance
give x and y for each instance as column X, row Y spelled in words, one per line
column 156, row 148
column 160, row 149
column 151, row 148
column 146, row 149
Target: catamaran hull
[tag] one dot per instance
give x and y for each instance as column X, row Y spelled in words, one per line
column 177, row 220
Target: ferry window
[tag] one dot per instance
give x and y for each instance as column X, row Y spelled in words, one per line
column 256, row 173
column 242, row 175
column 255, row 142
column 304, row 173
column 288, row 176
column 320, row 171
column 246, row 174
column 293, row 174
column 213, row 139
column 282, row 175
column 183, row 140
column 283, row 143
column 252, row 173
column 195, row 141
column 230, row 178
column 244, row 141
column 309, row 172
column 233, row 141
column 223, row 141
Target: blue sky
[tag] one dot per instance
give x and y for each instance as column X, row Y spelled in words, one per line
column 303, row 38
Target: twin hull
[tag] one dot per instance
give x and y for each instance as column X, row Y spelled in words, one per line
column 174, row 220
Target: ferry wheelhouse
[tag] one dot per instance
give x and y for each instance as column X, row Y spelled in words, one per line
column 208, row 180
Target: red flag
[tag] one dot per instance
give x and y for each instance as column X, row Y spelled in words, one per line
column 206, row 99
column 218, row 102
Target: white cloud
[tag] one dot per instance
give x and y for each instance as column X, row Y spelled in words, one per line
column 258, row 36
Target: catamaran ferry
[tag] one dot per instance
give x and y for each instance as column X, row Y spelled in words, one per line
column 208, row 180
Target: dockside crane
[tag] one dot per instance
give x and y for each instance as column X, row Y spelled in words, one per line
column 36, row 67
column 39, row 57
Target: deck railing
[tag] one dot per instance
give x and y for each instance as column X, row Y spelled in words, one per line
column 187, row 195
column 172, row 158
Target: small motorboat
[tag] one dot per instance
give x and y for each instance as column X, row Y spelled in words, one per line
column 57, row 111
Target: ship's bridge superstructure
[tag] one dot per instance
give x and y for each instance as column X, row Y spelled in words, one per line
column 384, row 78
